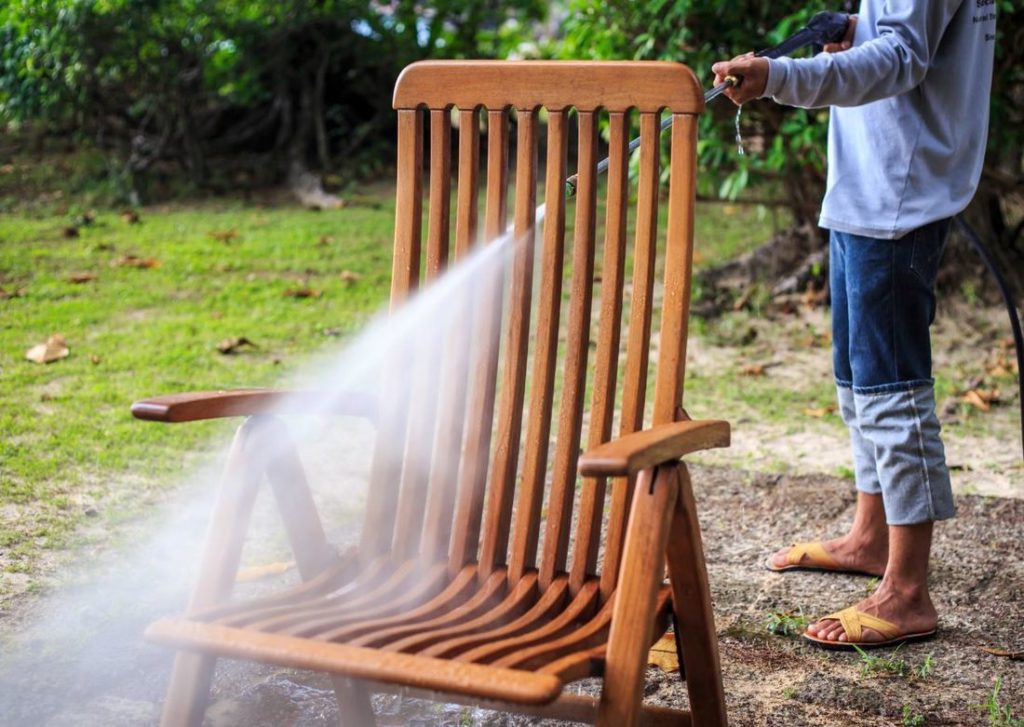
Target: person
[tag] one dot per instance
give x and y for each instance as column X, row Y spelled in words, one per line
column 909, row 90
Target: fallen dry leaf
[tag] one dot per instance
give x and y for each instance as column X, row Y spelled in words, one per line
column 664, row 655
column 53, row 349
column 7, row 169
column 741, row 302
column 16, row 293
column 257, row 572
column 131, row 261
column 347, row 276
column 302, row 293
column 231, row 345
column 223, row 235
column 813, row 298
column 981, row 399
column 819, row 413
column 1001, row 365
column 78, row 278
column 1011, row 655
column 325, row 240
column 758, row 369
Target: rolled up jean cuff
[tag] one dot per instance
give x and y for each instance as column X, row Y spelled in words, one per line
column 904, row 431
column 865, row 471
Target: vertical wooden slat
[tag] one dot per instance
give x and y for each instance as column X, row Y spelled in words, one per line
column 480, row 409
column 675, row 307
column 424, row 396
column 440, row 191
column 510, row 410
column 386, row 468
column 635, row 375
column 445, row 465
column 469, row 167
column 531, row 490
column 405, row 268
column 602, row 409
column 570, row 415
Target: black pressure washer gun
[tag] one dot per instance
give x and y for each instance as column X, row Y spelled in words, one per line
column 826, row 28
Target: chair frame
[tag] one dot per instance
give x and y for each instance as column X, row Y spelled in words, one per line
column 654, row 522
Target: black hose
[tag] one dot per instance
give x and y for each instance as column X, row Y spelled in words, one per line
column 1011, row 309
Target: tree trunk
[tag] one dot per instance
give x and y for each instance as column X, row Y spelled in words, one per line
column 304, row 183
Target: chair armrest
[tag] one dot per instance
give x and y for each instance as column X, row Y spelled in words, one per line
column 199, row 405
column 641, row 450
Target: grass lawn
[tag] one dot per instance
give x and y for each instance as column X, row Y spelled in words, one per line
column 138, row 331
column 159, row 296
column 70, row 449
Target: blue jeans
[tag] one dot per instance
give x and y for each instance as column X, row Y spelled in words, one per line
column 883, row 302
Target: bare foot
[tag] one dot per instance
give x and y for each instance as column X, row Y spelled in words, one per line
column 850, row 552
column 910, row 609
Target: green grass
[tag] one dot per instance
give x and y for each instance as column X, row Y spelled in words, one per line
column 894, row 665
column 1000, row 715
column 786, row 623
column 136, row 332
column 70, row 448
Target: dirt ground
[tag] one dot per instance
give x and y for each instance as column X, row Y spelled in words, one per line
column 107, row 675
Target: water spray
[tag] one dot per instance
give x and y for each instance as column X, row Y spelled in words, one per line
column 823, row 28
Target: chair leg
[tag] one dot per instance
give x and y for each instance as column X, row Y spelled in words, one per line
column 354, row 706
column 691, row 604
column 643, row 565
column 189, row 687
column 313, row 553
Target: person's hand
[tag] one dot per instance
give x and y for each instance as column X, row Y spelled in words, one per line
column 847, row 42
column 751, row 74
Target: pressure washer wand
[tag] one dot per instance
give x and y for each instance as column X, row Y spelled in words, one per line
column 823, row 28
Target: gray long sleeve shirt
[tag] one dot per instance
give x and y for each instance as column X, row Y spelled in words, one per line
column 909, row 117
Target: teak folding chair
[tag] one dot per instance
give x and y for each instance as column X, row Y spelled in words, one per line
column 466, row 585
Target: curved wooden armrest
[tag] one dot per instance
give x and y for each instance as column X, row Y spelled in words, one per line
column 641, row 450
column 198, row 405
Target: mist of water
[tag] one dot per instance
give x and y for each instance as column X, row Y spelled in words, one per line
column 80, row 658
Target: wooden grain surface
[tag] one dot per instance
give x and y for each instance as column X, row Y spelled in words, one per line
column 614, row 85
column 446, row 590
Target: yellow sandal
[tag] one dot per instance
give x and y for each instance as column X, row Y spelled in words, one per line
column 819, row 560
column 854, row 622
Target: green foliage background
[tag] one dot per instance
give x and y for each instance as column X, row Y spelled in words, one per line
column 307, row 83
column 790, row 143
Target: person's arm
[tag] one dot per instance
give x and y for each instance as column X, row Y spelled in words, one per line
column 892, row 63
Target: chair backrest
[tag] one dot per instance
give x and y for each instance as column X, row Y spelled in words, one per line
column 501, row 418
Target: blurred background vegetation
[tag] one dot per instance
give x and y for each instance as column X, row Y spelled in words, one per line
column 221, row 95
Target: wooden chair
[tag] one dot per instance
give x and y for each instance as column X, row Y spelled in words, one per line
column 447, row 592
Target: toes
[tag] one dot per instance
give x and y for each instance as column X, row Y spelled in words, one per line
column 825, row 630
column 780, row 558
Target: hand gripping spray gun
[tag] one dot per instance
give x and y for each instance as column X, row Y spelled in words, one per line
column 825, row 28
